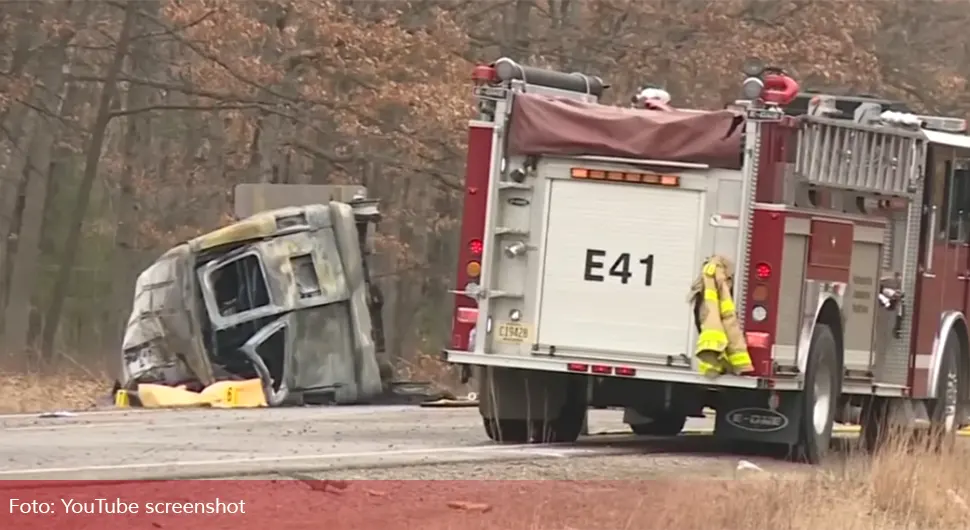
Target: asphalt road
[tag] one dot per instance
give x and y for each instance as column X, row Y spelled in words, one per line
column 431, row 443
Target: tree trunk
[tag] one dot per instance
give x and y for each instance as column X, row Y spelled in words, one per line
column 92, row 158
column 136, row 141
column 24, row 271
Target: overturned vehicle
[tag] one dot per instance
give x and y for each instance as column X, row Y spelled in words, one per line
column 282, row 296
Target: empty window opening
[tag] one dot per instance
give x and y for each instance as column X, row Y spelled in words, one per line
column 240, row 286
column 289, row 221
column 305, row 276
column 223, row 347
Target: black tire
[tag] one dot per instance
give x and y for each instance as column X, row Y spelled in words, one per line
column 568, row 425
column 823, row 381
column 669, row 424
column 875, row 423
column 945, row 410
column 507, row 431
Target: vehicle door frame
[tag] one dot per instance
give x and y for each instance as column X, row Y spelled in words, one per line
column 943, row 260
column 207, row 286
column 250, row 349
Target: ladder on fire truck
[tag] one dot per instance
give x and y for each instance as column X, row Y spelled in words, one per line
column 875, row 155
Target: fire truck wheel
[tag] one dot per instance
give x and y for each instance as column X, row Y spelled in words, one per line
column 822, row 388
column 669, row 424
column 569, row 424
column 506, row 431
column 945, row 411
column 875, row 423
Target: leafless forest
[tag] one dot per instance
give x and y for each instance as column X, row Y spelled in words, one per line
column 124, row 124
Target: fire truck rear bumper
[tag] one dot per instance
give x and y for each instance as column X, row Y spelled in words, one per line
column 625, row 370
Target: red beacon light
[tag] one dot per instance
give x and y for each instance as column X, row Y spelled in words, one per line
column 779, row 89
column 767, row 84
column 483, row 74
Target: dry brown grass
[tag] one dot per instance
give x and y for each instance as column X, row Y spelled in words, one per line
column 426, row 367
column 906, row 486
column 901, row 488
column 38, row 387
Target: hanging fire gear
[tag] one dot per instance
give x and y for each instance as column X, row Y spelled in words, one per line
column 721, row 346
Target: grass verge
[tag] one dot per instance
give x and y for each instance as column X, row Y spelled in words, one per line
column 906, row 486
column 48, row 387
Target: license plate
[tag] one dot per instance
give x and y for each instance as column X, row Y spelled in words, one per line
column 513, row 333
column 765, row 114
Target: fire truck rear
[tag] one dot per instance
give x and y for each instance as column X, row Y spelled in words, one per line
column 843, row 230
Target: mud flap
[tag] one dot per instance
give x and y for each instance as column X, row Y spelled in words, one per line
column 748, row 415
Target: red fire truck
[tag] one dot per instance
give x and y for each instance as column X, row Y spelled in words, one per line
column 585, row 226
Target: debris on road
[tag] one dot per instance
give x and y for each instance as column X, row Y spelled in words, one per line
column 957, row 500
column 471, row 400
column 470, row 506
column 322, row 485
column 57, row 414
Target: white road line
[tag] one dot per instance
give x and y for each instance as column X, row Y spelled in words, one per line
column 78, row 426
column 166, row 421
column 78, row 414
column 337, row 410
column 131, row 424
column 525, row 449
column 150, row 425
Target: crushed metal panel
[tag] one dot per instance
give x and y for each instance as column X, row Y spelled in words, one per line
column 264, row 224
column 252, row 198
column 324, row 357
column 161, row 324
column 308, row 265
column 255, row 227
column 368, row 371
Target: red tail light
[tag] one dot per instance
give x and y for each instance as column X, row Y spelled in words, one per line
column 763, row 270
column 467, row 315
column 476, row 246
column 757, row 339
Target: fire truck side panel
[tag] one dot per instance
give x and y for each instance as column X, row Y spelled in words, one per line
column 477, row 174
column 519, row 221
column 791, row 311
column 860, row 308
column 770, row 254
column 813, row 275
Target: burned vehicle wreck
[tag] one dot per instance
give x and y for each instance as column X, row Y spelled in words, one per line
column 283, row 295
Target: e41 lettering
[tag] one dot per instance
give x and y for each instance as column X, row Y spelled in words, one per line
column 596, row 266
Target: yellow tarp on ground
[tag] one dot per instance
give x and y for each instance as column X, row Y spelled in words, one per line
column 223, row 394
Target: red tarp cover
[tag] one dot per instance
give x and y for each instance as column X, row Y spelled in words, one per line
column 543, row 125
